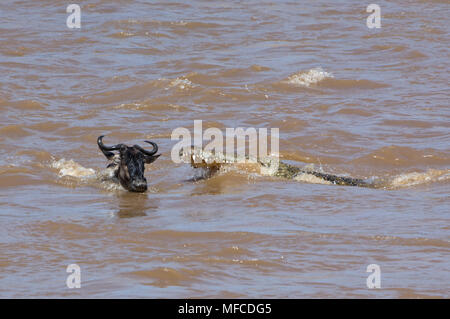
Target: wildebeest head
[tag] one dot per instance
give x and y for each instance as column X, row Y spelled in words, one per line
column 129, row 163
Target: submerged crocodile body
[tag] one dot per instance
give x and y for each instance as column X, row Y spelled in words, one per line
column 267, row 166
column 292, row 172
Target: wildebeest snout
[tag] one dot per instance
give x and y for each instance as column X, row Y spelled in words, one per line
column 139, row 185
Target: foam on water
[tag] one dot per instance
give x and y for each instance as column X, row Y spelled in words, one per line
column 415, row 178
column 72, row 168
column 181, row 83
column 312, row 76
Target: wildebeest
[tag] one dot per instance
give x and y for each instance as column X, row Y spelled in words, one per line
column 128, row 164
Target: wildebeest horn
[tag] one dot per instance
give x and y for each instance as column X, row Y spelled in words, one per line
column 150, row 153
column 106, row 149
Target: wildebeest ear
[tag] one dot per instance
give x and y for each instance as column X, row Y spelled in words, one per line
column 150, row 159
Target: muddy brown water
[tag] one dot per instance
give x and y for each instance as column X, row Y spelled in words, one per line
column 366, row 103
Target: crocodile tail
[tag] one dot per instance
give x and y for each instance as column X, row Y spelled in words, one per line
column 341, row 180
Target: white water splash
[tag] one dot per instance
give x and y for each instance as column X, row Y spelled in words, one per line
column 181, row 83
column 414, row 178
column 71, row 168
column 312, row 76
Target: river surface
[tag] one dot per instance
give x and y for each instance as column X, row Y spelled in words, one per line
column 348, row 100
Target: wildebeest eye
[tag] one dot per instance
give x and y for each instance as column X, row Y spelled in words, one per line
column 123, row 149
